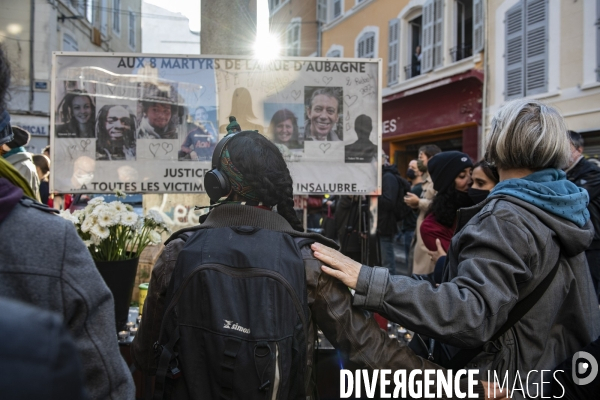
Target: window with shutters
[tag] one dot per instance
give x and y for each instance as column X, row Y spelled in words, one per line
column 366, row 46
column 116, row 17
column 415, row 55
column 393, row 48
column 336, row 8
column 334, row 53
column 293, row 39
column 463, row 21
column 132, row 30
column 526, row 57
column 322, row 11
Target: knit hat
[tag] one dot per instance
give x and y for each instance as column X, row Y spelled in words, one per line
column 21, row 137
column 233, row 125
column 444, row 167
column 6, row 134
column 363, row 125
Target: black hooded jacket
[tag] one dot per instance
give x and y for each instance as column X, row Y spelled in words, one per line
column 587, row 175
column 390, row 186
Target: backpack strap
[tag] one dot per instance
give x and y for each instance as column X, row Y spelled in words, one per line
column 164, row 360
column 232, row 347
column 464, row 356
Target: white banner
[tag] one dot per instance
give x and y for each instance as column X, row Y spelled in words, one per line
column 147, row 124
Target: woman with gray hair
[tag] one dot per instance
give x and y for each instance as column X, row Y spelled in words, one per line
column 516, row 289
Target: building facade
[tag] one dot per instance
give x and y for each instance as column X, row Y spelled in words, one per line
column 433, row 60
column 31, row 30
column 167, row 32
column 296, row 25
column 547, row 50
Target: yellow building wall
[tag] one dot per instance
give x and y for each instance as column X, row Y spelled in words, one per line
column 370, row 13
column 572, row 88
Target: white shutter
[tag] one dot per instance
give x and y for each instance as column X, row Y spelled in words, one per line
column 438, row 34
column 322, row 11
column 337, row 8
column 427, row 37
column 393, row 45
column 361, row 48
column 514, row 56
column 103, row 18
column 366, row 45
column 536, row 47
column 598, row 40
column 478, row 33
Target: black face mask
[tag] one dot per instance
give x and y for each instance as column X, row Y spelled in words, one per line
column 411, row 174
column 463, row 200
column 478, row 195
column 422, row 167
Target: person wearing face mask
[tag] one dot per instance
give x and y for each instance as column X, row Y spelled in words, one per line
column 451, row 175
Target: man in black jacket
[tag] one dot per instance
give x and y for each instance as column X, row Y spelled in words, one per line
column 587, row 175
column 392, row 188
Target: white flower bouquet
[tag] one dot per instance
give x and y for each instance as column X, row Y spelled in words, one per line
column 113, row 231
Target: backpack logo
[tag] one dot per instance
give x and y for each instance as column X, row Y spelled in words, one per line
column 235, row 326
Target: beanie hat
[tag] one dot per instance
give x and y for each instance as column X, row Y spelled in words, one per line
column 233, row 125
column 444, row 167
column 363, row 125
column 6, row 134
column 21, row 138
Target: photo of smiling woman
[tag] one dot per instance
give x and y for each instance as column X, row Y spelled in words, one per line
column 283, row 129
column 76, row 110
column 115, row 131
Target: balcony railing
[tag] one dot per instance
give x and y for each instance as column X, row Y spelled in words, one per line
column 459, row 52
column 412, row 70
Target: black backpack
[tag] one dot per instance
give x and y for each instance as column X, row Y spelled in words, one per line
column 236, row 319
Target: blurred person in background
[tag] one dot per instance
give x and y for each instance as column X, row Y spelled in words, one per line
column 409, row 223
column 15, row 153
column 42, row 167
column 586, row 174
column 419, row 260
column 450, row 172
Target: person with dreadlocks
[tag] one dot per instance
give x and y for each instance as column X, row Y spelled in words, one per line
column 260, row 183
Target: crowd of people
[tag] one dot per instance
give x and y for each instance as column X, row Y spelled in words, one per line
column 503, row 255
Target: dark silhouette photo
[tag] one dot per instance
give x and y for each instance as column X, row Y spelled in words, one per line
column 363, row 150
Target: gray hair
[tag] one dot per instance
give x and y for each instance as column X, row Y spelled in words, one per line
column 528, row 134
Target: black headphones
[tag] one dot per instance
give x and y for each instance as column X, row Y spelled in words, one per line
column 216, row 184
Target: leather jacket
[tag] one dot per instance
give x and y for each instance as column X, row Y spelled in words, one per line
column 349, row 329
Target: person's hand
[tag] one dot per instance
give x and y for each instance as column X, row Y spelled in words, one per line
column 439, row 252
column 341, row 267
column 412, row 200
column 194, row 156
column 492, row 391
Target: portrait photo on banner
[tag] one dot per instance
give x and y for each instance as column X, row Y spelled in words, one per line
column 116, row 125
column 202, row 136
column 76, row 110
column 285, row 128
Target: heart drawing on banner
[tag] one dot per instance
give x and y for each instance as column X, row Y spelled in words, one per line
column 167, row 147
column 296, row 94
column 349, row 100
column 327, row 79
column 85, row 144
column 154, row 148
column 324, row 147
column 71, row 150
